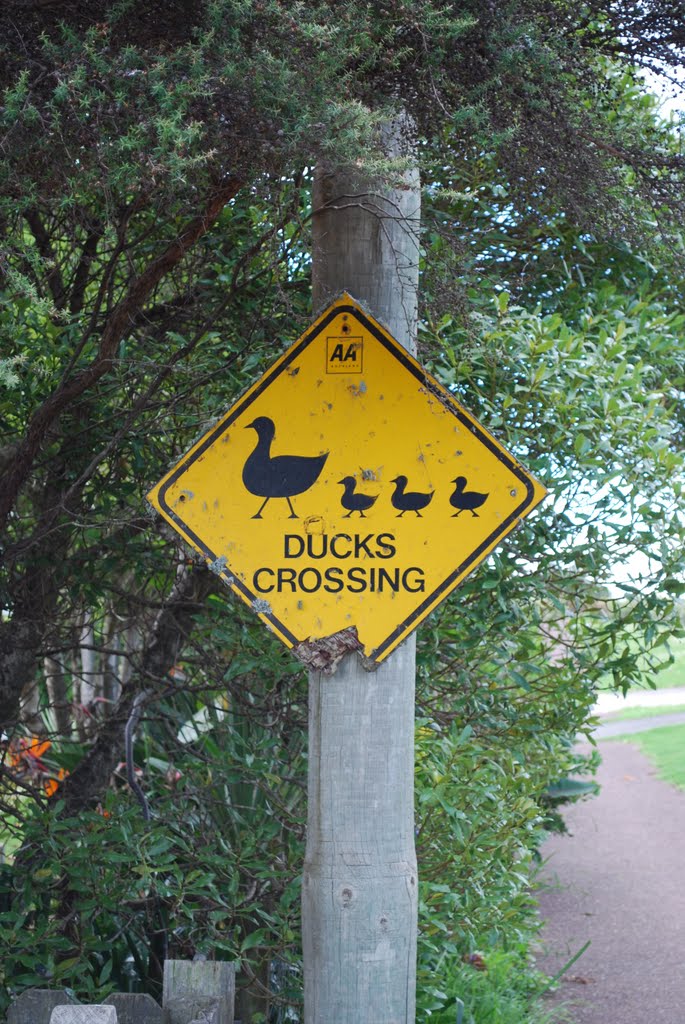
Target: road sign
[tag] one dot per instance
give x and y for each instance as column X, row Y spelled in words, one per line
column 346, row 488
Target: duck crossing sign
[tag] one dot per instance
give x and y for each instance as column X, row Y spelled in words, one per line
column 346, row 490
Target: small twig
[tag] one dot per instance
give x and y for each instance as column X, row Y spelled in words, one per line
column 129, row 734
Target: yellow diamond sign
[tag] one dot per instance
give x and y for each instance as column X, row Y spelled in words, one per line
column 346, row 488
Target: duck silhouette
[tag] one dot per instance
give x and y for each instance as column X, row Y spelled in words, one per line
column 408, row 501
column 466, row 501
column 355, row 502
column 282, row 476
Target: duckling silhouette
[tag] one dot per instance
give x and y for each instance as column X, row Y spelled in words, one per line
column 411, row 501
column 282, row 476
column 466, row 501
column 355, row 502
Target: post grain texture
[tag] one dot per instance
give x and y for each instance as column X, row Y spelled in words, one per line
column 359, row 897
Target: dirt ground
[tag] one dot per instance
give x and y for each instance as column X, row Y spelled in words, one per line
column 617, row 881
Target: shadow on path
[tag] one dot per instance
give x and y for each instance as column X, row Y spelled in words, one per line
column 617, row 880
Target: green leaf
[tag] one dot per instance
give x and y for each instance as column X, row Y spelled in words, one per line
column 254, row 939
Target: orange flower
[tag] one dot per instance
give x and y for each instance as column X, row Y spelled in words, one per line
column 25, row 758
column 25, row 751
column 38, row 747
column 52, row 785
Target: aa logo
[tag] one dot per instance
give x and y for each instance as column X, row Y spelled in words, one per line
column 344, row 355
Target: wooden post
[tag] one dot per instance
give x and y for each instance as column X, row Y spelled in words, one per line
column 359, row 898
column 196, row 990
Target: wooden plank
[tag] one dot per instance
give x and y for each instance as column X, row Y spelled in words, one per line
column 35, row 1005
column 136, row 1008
column 94, row 1014
column 199, row 990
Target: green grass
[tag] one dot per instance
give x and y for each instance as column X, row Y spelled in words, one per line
column 645, row 712
column 665, row 748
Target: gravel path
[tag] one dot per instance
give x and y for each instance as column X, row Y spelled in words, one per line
column 618, row 881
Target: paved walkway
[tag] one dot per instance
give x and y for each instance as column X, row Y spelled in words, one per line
column 607, row 729
column 618, row 881
column 608, row 700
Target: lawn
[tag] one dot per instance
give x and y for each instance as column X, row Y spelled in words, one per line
column 642, row 712
column 665, row 748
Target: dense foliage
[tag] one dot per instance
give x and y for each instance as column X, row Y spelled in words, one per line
column 155, row 206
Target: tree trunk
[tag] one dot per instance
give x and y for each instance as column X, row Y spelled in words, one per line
column 111, row 685
column 60, row 707
column 31, row 710
column 359, row 899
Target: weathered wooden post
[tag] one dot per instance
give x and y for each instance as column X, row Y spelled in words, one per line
column 199, row 991
column 359, row 899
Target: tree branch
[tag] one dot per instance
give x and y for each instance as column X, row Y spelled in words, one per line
column 82, row 272
column 119, row 322
column 87, row 783
column 53, row 277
